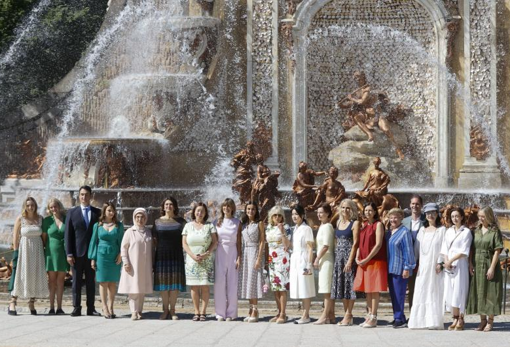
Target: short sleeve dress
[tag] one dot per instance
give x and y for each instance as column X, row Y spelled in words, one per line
column 104, row 248
column 55, row 253
column 301, row 286
column 199, row 240
column 278, row 259
column 326, row 237
column 484, row 295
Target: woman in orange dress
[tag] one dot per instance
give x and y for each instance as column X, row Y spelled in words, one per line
column 372, row 272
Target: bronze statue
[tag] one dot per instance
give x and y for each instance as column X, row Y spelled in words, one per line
column 479, row 144
column 304, row 184
column 331, row 191
column 376, row 190
column 243, row 164
column 265, row 188
column 5, row 269
column 368, row 111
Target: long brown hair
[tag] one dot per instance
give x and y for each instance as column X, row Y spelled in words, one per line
column 227, row 202
column 103, row 213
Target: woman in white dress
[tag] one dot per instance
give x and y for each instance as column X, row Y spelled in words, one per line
column 324, row 262
column 29, row 276
column 427, row 310
column 455, row 249
column 302, row 283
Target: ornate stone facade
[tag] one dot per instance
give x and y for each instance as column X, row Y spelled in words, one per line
column 395, row 45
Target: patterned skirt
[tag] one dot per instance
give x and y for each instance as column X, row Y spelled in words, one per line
column 342, row 286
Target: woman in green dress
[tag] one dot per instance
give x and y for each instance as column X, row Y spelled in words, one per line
column 104, row 252
column 56, row 261
column 486, row 286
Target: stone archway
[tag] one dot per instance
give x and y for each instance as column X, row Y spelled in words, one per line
column 308, row 17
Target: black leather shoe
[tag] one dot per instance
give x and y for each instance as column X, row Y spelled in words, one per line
column 51, row 311
column 60, row 311
column 11, row 312
column 93, row 313
column 76, row 312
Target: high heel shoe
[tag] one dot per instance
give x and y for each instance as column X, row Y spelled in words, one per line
column 255, row 319
column 348, row 322
column 274, row 319
column 322, row 321
column 460, row 324
column 12, row 312
column 454, row 323
column 173, row 315
column 371, row 322
column 164, row 315
column 31, row 307
column 482, row 325
column 489, row 326
column 282, row 320
column 247, row 319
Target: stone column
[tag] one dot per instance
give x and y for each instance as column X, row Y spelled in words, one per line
column 262, row 70
column 480, row 83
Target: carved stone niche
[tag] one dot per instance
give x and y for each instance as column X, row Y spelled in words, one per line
column 479, row 143
column 291, row 7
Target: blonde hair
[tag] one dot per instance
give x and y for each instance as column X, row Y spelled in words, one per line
column 24, row 207
column 59, row 204
column 274, row 211
column 354, row 210
column 489, row 216
column 396, row 210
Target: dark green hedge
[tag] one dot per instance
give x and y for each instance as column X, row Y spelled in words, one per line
column 49, row 52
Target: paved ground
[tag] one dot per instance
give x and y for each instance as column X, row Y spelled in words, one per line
column 56, row 331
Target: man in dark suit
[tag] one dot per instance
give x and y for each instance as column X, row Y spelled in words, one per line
column 79, row 223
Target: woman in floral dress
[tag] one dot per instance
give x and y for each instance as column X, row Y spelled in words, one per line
column 199, row 241
column 277, row 237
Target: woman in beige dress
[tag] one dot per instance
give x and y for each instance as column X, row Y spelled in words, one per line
column 324, row 262
column 136, row 273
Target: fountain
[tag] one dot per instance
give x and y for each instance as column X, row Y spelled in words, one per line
column 166, row 94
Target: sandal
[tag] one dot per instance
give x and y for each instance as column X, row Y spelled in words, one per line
column 347, row 321
column 202, row 318
column 164, row 315
column 460, row 326
column 12, row 312
column 274, row 319
column 196, row 318
column 31, row 307
column 490, row 325
column 454, row 323
column 282, row 320
column 481, row 326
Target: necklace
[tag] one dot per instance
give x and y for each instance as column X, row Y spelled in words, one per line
column 431, row 243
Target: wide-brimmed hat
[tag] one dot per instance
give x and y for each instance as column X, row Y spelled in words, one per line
column 430, row 207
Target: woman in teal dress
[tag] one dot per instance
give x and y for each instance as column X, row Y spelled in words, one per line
column 104, row 252
column 56, row 261
column 486, row 285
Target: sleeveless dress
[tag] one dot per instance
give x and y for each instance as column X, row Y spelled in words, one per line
column 278, row 259
column 342, row 286
column 56, row 258
column 326, row 237
column 169, row 263
column 104, row 248
column 250, row 280
column 31, row 280
column 373, row 276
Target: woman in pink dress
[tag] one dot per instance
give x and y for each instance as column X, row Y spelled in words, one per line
column 136, row 253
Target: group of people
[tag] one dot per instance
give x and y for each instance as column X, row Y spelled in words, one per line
column 458, row 268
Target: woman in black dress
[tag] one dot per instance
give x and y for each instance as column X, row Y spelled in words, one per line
column 169, row 275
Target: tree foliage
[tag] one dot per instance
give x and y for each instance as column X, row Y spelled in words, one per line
column 11, row 13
